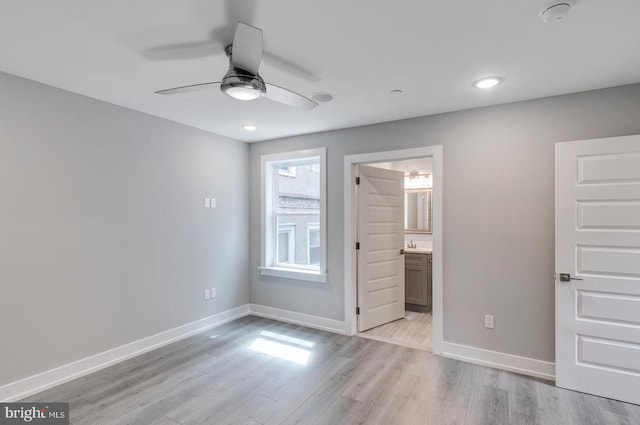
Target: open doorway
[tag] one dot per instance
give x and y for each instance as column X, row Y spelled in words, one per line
column 420, row 323
column 414, row 327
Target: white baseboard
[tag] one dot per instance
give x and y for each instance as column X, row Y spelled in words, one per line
column 509, row 362
column 308, row 320
column 50, row 378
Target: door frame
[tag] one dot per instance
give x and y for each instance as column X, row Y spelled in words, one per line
column 350, row 210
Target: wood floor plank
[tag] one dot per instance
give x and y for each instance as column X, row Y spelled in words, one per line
column 414, row 330
column 438, row 411
column 246, row 412
column 401, row 410
column 324, row 397
column 163, row 420
column 340, row 411
column 301, row 391
column 374, row 410
column 219, row 377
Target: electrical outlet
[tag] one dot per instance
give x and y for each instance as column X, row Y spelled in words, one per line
column 488, row 321
column 207, row 294
column 213, row 292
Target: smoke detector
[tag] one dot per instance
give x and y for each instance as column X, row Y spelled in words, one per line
column 555, row 12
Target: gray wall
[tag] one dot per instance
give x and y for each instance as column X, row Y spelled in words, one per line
column 498, row 211
column 103, row 236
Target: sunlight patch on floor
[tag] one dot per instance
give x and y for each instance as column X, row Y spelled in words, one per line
column 280, row 350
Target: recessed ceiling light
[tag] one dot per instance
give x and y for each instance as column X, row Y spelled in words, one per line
column 555, row 12
column 396, row 91
column 322, row 97
column 487, row 83
column 250, row 127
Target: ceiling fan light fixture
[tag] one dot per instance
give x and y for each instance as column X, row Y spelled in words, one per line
column 243, row 93
column 242, row 86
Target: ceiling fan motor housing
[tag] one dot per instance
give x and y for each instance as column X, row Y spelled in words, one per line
column 242, row 85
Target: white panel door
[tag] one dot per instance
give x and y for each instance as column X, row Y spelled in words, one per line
column 598, row 245
column 381, row 240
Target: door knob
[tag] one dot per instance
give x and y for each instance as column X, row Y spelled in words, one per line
column 566, row 277
column 402, row 252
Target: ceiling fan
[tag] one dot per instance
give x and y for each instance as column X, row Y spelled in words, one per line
column 242, row 81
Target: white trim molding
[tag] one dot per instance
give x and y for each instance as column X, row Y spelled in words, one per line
column 50, row 378
column 290, row 273
column 308, row 320
column 350, row 283
column 498, row 360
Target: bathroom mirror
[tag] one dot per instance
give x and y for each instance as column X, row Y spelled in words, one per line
column 417, row 211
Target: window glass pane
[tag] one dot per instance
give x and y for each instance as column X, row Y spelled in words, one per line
column 295, row 252
column 314, row 237
column 314, row 244
column 289, row 171
column 314, row 255
column 286, row 242
column 293, row 211
column 298, row 191
column 283, row 247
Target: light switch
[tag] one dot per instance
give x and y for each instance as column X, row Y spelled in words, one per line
column 207, row 203
column 213, row 292
column 207, row 294
column 213, row 202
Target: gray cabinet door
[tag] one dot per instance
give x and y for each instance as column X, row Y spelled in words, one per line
column 415, row 284
column 429, row 282
column 418, row 286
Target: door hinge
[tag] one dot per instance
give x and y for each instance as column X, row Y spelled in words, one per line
column 357, row 245
column 357, row 310
column 357, row 180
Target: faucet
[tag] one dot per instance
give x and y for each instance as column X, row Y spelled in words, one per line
column 411, row 245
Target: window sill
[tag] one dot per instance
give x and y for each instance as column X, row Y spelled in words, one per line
column 311, row 276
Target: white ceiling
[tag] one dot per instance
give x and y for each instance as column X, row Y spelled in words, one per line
column 358, row 50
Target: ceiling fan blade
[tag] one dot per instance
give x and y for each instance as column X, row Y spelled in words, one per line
column 234, row 11
column 193, row 50
column 189, row 88
column 289, row 98
column 247, row 48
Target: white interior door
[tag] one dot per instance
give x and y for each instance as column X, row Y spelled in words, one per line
column 598, row 244
column 381, row 239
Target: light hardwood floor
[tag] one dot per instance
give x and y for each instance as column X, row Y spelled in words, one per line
column 225, row 376
column 414, row 330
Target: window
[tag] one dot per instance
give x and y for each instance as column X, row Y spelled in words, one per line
column 293, row 215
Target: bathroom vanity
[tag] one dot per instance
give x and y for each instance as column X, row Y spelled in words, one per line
column 417, row 279
column 417, row 222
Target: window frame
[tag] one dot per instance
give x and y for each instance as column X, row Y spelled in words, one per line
column 268, row 180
